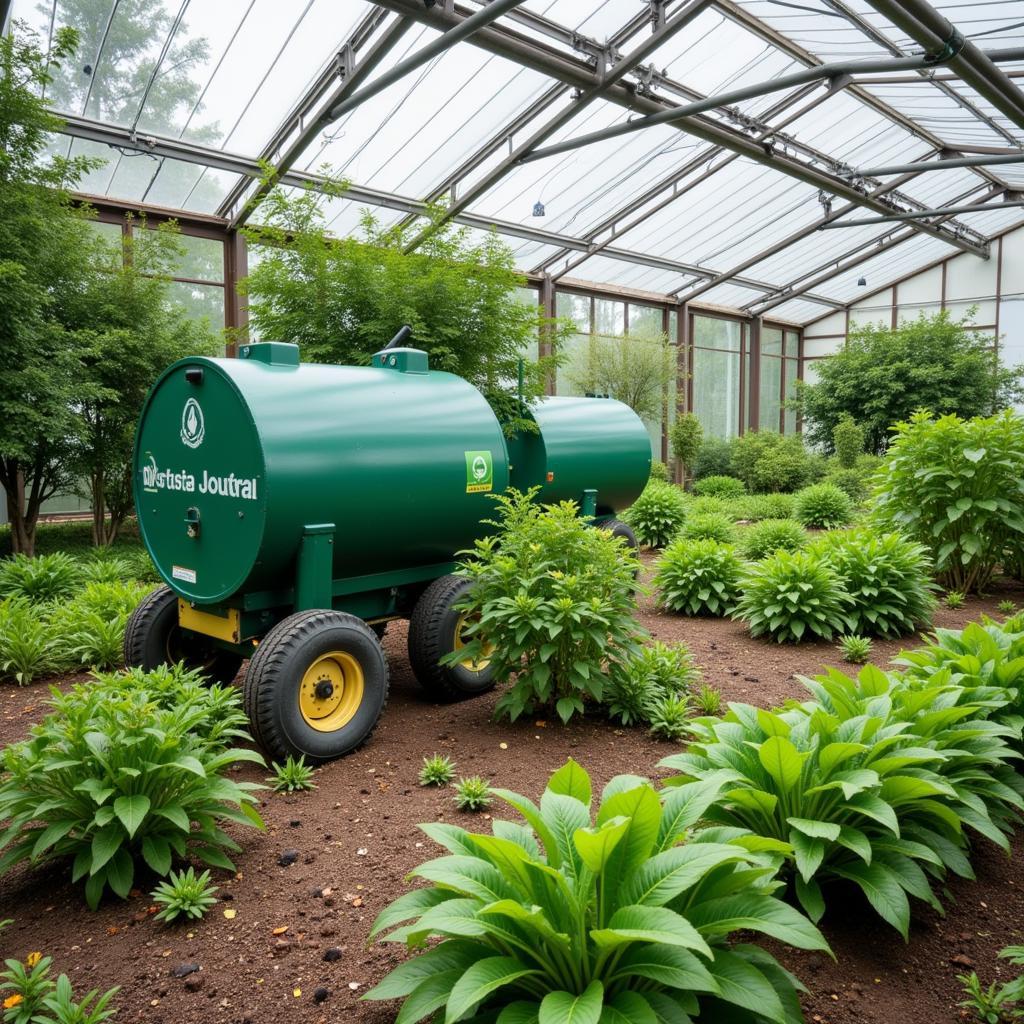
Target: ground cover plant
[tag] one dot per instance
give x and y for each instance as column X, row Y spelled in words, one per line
column 293, row 776
column 698, row 577
column 998, row 1003
column 719, row 487
column 437, row 770
column 709, row 526
column 552, row 604
column 109, row 778
column 657, row 515
column 616, row 912
column 184, row 894
column 957, row 487
column 767, row 506
column 652, row 675
column 855, row 648
column 472, row 794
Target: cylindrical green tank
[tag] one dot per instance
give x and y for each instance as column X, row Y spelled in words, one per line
column 255, row 449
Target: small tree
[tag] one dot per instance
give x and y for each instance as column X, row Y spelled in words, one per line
column 343, row 299
column 884, row 374
column 686, row 436
column 848, row 441
column 636, row 369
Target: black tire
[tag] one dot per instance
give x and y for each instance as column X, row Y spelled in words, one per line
column 617, row 528
column 432, row 635
column 277, row 674
column 153, row 638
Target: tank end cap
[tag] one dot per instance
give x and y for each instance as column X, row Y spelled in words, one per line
column 404, row 360
column 272, row 353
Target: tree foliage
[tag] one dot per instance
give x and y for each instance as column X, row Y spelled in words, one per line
column 686, row 436
column 341, row 300
column 885, row 374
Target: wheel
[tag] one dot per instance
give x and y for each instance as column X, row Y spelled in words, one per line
column 617, row 528
column 153, row 638
column 435, row 629
column 316, row 686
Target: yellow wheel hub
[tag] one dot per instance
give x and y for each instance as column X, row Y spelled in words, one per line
column 470, row 664
column 331, row 691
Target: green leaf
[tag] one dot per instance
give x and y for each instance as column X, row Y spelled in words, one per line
column 175, row 815
column 628, row 1008
column 649, row 924
column 595, row 845
column 666, row 875
column 105, row 843
column 816, row 829
column 132, row 811
column 746, row 911
column 883, row 891
column 809, row 853
column 480, row 980
column 520, row 1013
column 120, row 872
column 810, row 897
column 566, row 1008
column 429, row 995
column 451, row 955
column 667, row 965
column 782, row 761
column 740, row 982
column 571, row 780
column 156, row 852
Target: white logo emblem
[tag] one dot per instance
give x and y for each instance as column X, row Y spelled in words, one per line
column 193, row 429
column 479, row 467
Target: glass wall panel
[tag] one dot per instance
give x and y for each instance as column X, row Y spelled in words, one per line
column 108, row 232
column 792, row 372
column 646, row 320
column 199, row 301
column 575, row 308
column 792, row 344
column 203, row 258
column 710, row 332
column 609, row 317
column 771, row 341
column 716, row 391
column 576, row 349
column 529, row 297
column 770, row 400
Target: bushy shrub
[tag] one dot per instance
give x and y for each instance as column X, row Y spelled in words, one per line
column 31, row 996
column 850, row 481
column 657, row 514
column 957, row 487
column 714, row 458
column 793, row 595
column 106, row 569
column 686, row 436
column 719, row 487
column 653, row 673
column 109, row 778
column 771, row 535
column 709, row 526
column 698, row 577
column 766, row 461
column 887, row 577
column 847, row 441
column 866, row 782
column 627, row 915
column 823, row 506
column 669, row 717
column 552, row 606
column 711, row 507
column 142, row 567
column 769, row 506
column 659, row 471
column 89, row 629
column 27, row 645
column 40, row 579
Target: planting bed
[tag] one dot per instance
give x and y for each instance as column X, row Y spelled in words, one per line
column 332, row 858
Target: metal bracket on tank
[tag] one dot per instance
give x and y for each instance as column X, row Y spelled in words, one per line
column 588, row 507
column 315, row 572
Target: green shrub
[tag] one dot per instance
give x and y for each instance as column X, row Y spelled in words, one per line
column 89, row 629
column 686, row 436
column 106, row 569
column 657, row 514
column 108, row 778
column 659, row 471
column 472, row 794
column 653, row 673
column 863, row 783
column 27, row 646
column 142, row 567
column 954, row 599
column 708, row 700
column 698, row 577
column 887, row 577
column 766, row 461
column 711, row 507
column 855, row 649
column 769, row 506
column 184, row 894
column 552, row 604
column 714, row 458
column 670, row 717
column 292, row 776
column 708, row 526
column 626, row 916
column 719, row 487
column 792, row 595
column 957, row 486
column 847, row 441
column 771, row 535
column 437, row 770
column 40, row 579
column 823, row 506
column 851, row 481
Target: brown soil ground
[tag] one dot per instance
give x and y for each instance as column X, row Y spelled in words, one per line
column 356, row 839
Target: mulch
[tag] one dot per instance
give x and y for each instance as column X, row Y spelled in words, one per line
column 332, row 858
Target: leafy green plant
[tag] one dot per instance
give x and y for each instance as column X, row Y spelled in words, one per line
column 437, row 770
column 792, row 596
column 954, row 599
column 659, row 471
column 768, row 461
column 998, row 1003
column 657, row 515
column 887, row 577
column 709, row 526
column 624, row 914
column 823, row 506
column 1007, row 607
column 685, row 436
column 37, row 999
column 184, row 894
column 698, row 577
column 848, row 787
column 714, row 458
column 708, row 506
column 708, row 700
column 108, row 777
column 957, row 487
column 108, row 569
column 719, row 487
column 472, row 794
column 142, row 568
column 40, row 579
column 771, row 535
column 669, row 717
column 769, row 506
column 856, row 649
column 655, row 672
column 292, row 776
column 62, row 1008
column 552, row 606
column 847, row 441
column 852, row 481
column 27, row 645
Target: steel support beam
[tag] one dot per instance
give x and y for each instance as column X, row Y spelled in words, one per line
column 939, row 165
column 919, row 20
column 530, row 53
column 204, row 156
column 948, row 211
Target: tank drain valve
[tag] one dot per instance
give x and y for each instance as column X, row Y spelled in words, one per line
column 192, row 522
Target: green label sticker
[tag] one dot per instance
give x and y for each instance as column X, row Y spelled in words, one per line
column 479, row 472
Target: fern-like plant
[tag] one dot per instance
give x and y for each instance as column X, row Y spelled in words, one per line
column 41, row 579
column 619, row 912
column 708, row 700
column 793, row 596
column 855, row 649
column 669, row 717
column 954, row 599
column 698, row 577
column 28, row 647
column 657, row 515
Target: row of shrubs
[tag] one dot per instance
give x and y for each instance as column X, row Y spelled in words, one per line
column 630, row 910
